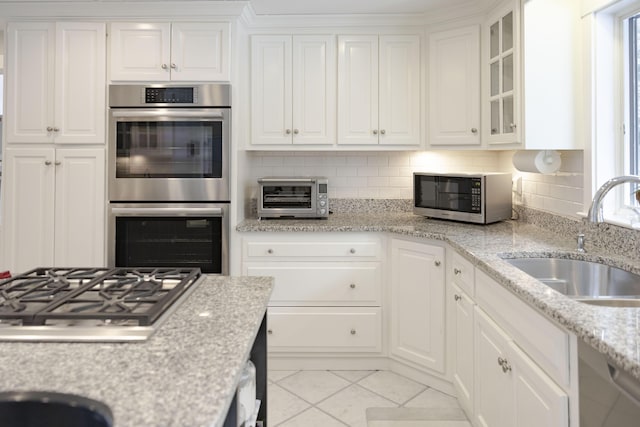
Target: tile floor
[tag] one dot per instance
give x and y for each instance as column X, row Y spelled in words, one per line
column 350, row 398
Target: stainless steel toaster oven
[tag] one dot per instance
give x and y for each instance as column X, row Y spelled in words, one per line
column 287, row 197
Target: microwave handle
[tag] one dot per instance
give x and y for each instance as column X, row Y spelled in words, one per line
column 217, row 212
column 173, row 113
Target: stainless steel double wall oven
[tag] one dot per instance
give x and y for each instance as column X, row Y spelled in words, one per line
column 169, row 176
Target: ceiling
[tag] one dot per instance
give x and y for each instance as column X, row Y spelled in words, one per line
column 313, row 7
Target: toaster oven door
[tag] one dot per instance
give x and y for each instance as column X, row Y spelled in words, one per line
column 286, row 198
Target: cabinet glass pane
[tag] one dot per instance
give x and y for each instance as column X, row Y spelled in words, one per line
column 495, row 117
column 507, row 73
column 494, row 40
column 507, row 114
column 507, row 32
column 495, row 78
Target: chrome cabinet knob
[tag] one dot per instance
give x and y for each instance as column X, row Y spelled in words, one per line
column 512, row 125
column 173, row 66
column 457, row 271
column 58, row 163
column 382, row 132
column 501, row 361
column 269, row 331
column 49, row 129
column 437, row 263
column 296, row 131
column 352, row 286
column 457, row 297
column 56, row 129
column 287, row 131
column 164, row 66
column 352, row 250
column 474, row 130
column 353, row 332
column 269, row 251
column 375, row 131
column 47, row 162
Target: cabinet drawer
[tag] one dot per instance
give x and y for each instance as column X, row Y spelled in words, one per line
column 324, row 329
column 543, row 341
column 463, row 273
column 321, row 283
column 293, row 249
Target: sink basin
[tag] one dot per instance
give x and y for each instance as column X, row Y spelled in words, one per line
column 49, row 409
column 586, row 281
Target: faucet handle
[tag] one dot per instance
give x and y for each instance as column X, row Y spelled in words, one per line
column 581, row 248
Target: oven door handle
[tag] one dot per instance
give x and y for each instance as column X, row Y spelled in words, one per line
column 216, row 212
column 164, row 113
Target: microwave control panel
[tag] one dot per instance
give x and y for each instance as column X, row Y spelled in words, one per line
column 476, row 194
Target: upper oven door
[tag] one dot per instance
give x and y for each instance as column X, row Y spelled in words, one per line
column 169, row 154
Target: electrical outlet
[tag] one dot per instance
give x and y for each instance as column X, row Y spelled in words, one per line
column 516, row 185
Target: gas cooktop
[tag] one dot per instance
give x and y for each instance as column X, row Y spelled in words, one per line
column 91, row 304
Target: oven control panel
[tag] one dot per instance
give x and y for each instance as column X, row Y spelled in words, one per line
column 170, row 95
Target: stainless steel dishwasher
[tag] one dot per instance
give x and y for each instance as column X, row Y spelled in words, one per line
column 609, row 397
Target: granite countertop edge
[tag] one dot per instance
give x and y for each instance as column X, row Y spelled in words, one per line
column 611, row 331
column 184, row 375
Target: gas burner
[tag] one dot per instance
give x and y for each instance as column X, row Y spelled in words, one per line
column 85, row 298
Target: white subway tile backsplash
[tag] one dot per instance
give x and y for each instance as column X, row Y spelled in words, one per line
column 389, row 175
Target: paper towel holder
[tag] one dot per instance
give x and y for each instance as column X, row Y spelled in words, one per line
column 537, row 161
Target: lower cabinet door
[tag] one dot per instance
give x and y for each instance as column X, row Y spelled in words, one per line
column 494, row 399
column 417, row 303
column 539, row 401
column 324, row 329
column 464, row 348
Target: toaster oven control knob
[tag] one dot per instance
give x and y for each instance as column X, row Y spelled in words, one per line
column 323, row 203
column 323, row 211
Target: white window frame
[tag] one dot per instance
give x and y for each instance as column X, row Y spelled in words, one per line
column 610, row 111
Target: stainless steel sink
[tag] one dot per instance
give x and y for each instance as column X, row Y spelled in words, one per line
column 586, row 281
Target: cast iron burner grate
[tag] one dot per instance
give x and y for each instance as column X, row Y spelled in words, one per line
column 122, row 296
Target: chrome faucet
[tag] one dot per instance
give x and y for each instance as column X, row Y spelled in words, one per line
column 595, row 211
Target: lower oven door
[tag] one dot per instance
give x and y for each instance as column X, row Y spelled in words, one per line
column 186, row 235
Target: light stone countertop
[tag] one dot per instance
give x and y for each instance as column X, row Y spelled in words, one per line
column 612, row 331
column 185, row 375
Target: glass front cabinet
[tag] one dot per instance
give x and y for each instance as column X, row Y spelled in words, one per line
column 502, row 113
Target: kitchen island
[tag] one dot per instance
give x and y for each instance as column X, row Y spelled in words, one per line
column 185, row 375
column 613, row 332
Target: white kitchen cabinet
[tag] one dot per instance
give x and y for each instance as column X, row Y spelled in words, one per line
column 530, row 95
column 328, row 290
column 55, row 83
column 53, row 207
column 417, row 292
column 379, row 90
column 454, row 87
column 510, row 389
column 463, row 372
column 189, row 51
column 293, row 90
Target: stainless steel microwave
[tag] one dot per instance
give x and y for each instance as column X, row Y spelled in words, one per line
column 286, row 197
column 479, row 198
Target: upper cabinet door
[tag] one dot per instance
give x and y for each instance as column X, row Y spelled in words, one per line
column 30, row 82
column 454, row 87
column 140, row 51
column 399, row 86
column 271, row 114
column 199, row 51
column 314, row 90
column 56, row 83
column 80, row 105
column 358, row 90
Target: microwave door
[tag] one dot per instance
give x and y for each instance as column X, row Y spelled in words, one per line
column 426, row 192
column 455, row 194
